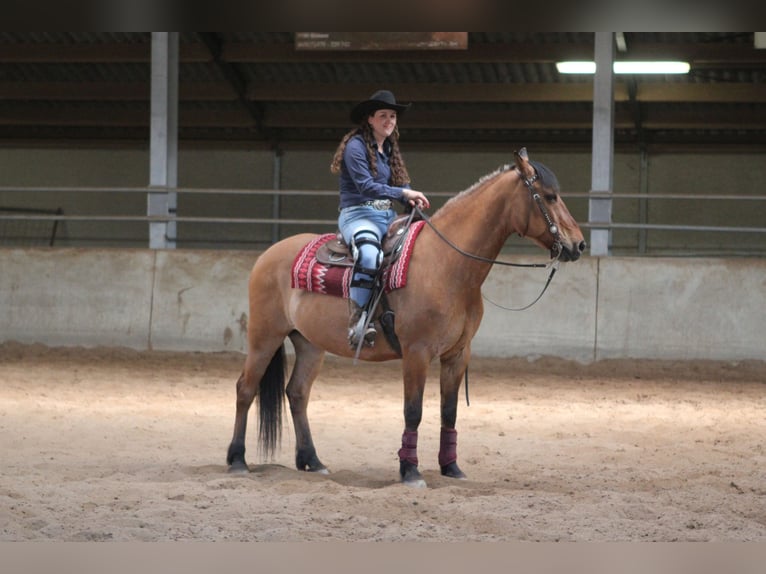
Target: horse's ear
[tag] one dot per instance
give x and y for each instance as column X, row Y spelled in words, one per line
column 521, row 158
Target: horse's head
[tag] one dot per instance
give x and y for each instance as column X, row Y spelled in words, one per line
column 547, row 220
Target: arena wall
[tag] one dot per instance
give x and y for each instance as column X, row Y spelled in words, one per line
column 196, row 300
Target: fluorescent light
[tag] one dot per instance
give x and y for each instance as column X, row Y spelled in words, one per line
column 625, row 67
column 651, row 67
column 576, row 67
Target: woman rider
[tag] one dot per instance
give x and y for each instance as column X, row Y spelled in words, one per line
column 372, row 176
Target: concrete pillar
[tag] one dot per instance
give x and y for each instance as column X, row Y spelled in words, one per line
column 163, row 168
column 600, row 208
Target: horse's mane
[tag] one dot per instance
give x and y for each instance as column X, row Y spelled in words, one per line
column 480, row 183
column 547, row 178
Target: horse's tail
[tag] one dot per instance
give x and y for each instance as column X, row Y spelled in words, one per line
column 271, row 403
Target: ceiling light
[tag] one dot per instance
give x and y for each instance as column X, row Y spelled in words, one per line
column 651, row 67
column 576, row 67
column 583, row 67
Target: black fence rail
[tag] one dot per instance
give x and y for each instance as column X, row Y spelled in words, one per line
column 22, row 226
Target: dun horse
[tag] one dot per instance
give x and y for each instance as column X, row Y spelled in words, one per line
column 436, row 314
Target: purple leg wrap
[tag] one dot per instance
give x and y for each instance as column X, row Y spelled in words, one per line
column 409, row 450
column 447, row 447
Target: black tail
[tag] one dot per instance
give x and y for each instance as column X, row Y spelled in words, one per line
column 271, row 403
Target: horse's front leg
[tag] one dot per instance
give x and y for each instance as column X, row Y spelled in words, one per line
column 451, row 375
column 308, row 362
column 414, row 370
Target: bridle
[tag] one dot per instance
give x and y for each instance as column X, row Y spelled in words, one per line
column 556, row 248
column 552, row 227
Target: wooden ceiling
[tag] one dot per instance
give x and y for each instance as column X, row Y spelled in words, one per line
column 257, row 89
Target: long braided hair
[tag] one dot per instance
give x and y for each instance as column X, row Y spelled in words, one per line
column 399, row 174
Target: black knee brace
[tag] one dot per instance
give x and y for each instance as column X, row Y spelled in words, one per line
column 366, row 261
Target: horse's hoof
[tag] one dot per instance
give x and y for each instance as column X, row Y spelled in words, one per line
column 411, row 475
column 452, row 470
column 307, row 460
column 417, row 483
column 238, row 467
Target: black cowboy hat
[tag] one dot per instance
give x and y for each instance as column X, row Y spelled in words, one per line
column 380, row 100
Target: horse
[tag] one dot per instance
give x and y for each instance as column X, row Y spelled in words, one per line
column 437, row 313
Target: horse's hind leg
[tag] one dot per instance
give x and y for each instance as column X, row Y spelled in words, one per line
column 308, row 362
column 235, row 457
column 258, row 365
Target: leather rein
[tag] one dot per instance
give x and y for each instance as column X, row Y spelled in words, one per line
column 556, row 248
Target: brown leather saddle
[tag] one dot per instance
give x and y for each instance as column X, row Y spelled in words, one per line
column 337, row 252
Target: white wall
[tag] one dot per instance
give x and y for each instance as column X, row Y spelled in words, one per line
column 596, row 308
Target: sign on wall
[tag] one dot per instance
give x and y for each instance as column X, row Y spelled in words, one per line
column 381, row 40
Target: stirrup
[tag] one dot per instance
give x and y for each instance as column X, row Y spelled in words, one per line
column 358, row 331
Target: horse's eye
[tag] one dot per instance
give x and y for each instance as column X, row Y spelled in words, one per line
column 551, row 197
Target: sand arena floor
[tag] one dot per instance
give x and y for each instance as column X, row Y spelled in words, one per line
column 117, row 445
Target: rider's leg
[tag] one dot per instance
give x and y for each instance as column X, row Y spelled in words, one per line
column 367, row 258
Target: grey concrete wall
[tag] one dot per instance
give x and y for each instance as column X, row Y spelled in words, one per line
column 200, row 301
column 596, row 308
column 74, row 297
column 141, row 299
column 562, row 323
column 682, row 309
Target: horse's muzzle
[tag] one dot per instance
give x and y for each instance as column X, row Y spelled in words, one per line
column 572, row 253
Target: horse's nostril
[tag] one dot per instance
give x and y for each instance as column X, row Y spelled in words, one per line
column 581, row 246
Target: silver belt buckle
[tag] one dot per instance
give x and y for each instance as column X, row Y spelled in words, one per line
column 381, row 204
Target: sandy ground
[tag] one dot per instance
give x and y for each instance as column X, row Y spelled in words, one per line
column 117, row 445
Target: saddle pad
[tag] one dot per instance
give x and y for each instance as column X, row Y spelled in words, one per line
column 311, row 275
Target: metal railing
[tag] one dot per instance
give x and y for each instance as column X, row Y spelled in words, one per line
column 21, row 213
column 27, row 226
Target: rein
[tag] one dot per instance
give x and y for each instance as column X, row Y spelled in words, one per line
column 471, row 255
column 555, row 250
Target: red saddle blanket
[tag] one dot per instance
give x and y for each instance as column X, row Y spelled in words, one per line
column 311, row 275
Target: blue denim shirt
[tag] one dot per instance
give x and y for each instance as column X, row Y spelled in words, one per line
column 356, row 181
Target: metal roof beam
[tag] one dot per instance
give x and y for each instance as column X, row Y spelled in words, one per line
column 93, row 53
column 30, row 114
column 235, row 80
column 476, row 92
column 698, row 54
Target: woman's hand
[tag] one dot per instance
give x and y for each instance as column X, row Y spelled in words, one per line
column 416, row 198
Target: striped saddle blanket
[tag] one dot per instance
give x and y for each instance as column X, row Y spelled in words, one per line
column 310, row 274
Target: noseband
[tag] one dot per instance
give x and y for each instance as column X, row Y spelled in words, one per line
column 552, row 227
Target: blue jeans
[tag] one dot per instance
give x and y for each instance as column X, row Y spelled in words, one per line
column 370, row 222
column 364, row 218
